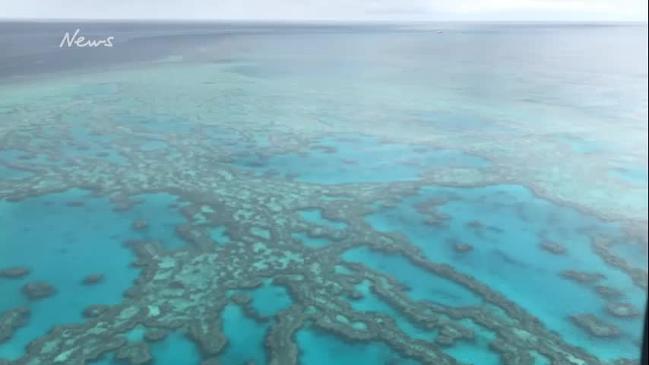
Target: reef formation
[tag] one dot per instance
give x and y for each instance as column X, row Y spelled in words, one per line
column 258, row 213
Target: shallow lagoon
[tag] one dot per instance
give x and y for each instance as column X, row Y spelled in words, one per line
column 75, row 235
column 506, row 226
column 245, row 338
column 319, row 347
column 420, row 284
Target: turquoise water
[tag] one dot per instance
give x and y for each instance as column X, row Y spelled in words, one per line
column 174, row 349
column 475, row 351
column 268, row 300
column 13, row 173
column 314, row 216
column 136, row 334
column 15, row 161
column 420, row 284
column 306, row 168
column 72, row 242
column 371, row 303
column 220, row 235
column 317, row 348
column 245, row 338
column 633, row 252
column 362, row 159
column 506, row 253
column 312, row 242
column 161, row 218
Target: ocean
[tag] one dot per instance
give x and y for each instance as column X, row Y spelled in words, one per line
column 323, row 193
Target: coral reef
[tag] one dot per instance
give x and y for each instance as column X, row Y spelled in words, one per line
column 462, row 247
column 595, row 326
column 582, row 277
column 38, row 290
column 140, row 224
column 622, row 309
column 14, row 272
column 12, row 320
column 93, row 279
column 135, row 354
column 553, row 247
column 221, row 175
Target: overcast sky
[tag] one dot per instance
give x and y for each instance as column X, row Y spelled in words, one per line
column 612, row 10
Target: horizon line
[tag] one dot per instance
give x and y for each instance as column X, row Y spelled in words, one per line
column 279, row 20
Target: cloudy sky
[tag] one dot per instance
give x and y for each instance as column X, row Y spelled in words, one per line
column 329, row 9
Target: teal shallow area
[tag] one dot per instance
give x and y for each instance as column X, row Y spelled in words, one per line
column 158, row 210
column 420, row 284
column 136, row 334
column 457, row 121
column 61, row 243
column 89, row 144
column 268, row 300
column 319, row 348
column 220, row 235
column 505, row 224
column 152, row 146
column 311, row 242
column 79, row 142
column 245, row 338
column 476, row 351
column 540, row 359
column 157, row 123
column 371, row 303
column 361, row 159
column 22, row 158
column 634, row 253
column 8, row 173
column 315, row 216
column 175, row 349
column 239, row 114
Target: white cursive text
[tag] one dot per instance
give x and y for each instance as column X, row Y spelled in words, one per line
column 76, row 40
